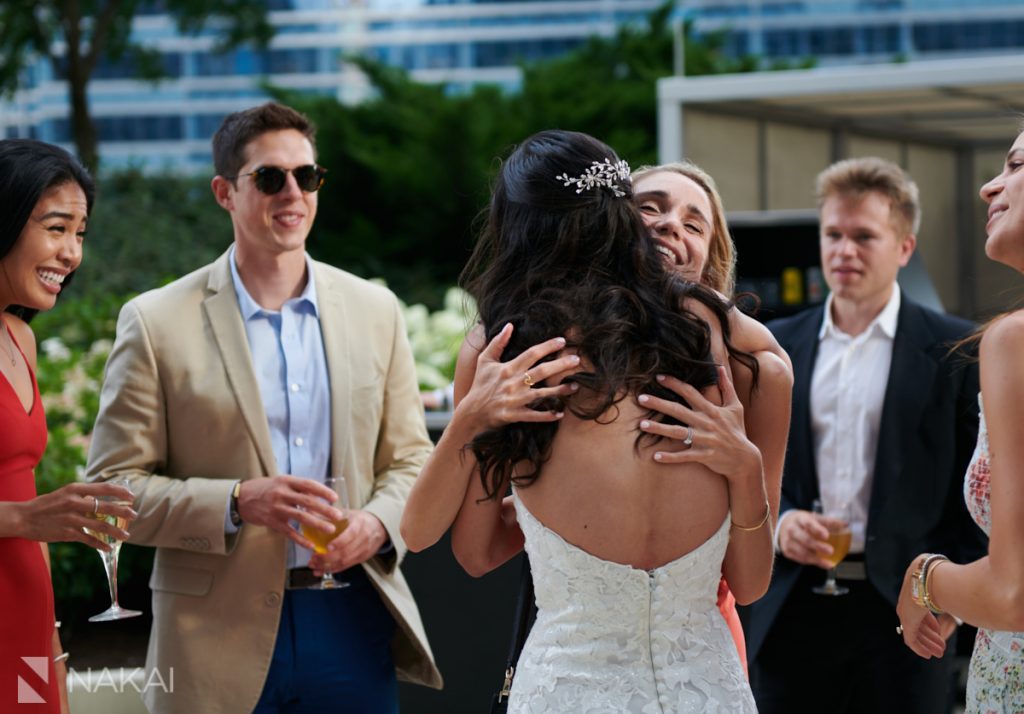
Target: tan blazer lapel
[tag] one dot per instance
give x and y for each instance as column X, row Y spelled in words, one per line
column 337, row 344
column 221, row 308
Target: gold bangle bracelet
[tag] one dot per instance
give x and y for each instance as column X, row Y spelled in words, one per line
column 767, row 514
column 927, row 568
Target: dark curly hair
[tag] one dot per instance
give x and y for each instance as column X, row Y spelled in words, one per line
column 555, row 261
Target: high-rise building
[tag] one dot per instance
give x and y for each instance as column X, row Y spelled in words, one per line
column 859, row 31
column 459, row 42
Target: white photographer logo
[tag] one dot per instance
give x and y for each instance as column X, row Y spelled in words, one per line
column 26, row 692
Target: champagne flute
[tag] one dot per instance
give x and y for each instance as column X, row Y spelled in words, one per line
column 321, row 540
column 115, row 611
column 839, row 537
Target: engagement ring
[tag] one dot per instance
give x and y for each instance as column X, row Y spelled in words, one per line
column 689, row 436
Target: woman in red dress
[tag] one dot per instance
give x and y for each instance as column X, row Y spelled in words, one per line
column 45, row 197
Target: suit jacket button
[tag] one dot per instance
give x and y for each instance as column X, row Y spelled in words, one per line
column 272, row 599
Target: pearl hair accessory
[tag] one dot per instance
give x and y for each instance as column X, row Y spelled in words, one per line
column 600, row 174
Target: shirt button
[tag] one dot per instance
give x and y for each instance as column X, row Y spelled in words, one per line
column 299, row 441
column 295, row 387
column 272, row 599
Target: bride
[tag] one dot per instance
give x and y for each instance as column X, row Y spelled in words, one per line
column 626, row 552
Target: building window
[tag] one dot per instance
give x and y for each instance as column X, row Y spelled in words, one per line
column 127, row 68
column 124, row 128
column 207, row 124
column 504, row 54
column 880, row 39
column 298, row 61
column 967, row 36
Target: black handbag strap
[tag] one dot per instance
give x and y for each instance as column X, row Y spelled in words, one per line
column 521, row 623
column 524, row 613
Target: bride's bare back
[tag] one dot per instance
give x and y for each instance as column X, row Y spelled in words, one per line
column 601, row 494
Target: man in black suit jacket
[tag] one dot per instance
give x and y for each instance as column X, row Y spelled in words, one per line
column 884, row 424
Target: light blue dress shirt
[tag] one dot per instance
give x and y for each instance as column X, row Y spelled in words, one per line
column 287, row 351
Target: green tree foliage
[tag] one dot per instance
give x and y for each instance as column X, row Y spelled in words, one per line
column 147, row 230
column 608, row 86
column 410, row 168
column 74, row 35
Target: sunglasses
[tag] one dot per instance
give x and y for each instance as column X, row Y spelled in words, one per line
column 271, row 179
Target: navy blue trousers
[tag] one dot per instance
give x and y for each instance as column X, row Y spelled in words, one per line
column 333, row 653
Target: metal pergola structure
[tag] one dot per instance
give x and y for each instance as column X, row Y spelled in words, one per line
column 959, row 102
column 964, row 106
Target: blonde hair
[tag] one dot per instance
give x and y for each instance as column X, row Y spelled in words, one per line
column 720, row 269
column 858, row 177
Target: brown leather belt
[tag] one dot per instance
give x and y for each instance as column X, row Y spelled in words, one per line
column 300, row 579
column 852, row 568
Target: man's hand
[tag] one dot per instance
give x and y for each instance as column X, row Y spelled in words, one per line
column 360, row 541
column 276, row 501
column 802, row 538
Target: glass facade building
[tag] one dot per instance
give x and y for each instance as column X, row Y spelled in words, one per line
column 459, row 42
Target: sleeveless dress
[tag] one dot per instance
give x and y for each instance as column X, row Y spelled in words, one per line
column 995, row 680
column 610, row 638
column 28, row 682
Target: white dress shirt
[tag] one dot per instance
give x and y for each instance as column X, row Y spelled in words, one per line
column 847, row 393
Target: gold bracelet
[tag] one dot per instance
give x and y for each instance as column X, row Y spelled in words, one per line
column 926, row 570
column 767, row 513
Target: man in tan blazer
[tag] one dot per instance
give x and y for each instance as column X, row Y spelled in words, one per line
column 229, row 397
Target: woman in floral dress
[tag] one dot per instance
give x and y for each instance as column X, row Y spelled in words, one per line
column 988, row 593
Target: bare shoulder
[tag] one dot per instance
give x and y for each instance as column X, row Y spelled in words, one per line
column 24, row 335
column 705, row 313
column 702, row 311
column 749, row 335
column 1005, row 336
column 774, row 372
column 1002, row 379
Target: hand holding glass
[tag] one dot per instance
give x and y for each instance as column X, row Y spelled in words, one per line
column 115, row 611
column 839, row 536
column 321, row 539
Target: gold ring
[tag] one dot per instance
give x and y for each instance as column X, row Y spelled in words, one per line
column 899, row 629
column 688, row 441
column 527, row 379
column 95, row 505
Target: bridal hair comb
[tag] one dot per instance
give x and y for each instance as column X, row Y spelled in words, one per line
column 600, row 174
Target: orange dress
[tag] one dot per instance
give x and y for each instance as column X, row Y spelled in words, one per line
column 727, row 606
column 28, row 682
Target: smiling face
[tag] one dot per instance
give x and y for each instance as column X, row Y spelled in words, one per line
column 275, row 224
column 1004, row 195
column 48, row 249
column 861, row 248
column 679, row 215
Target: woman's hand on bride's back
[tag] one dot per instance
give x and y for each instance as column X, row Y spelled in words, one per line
column 716, row 433
column 503, row 392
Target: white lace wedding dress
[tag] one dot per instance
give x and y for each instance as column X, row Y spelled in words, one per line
column 612, row 638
